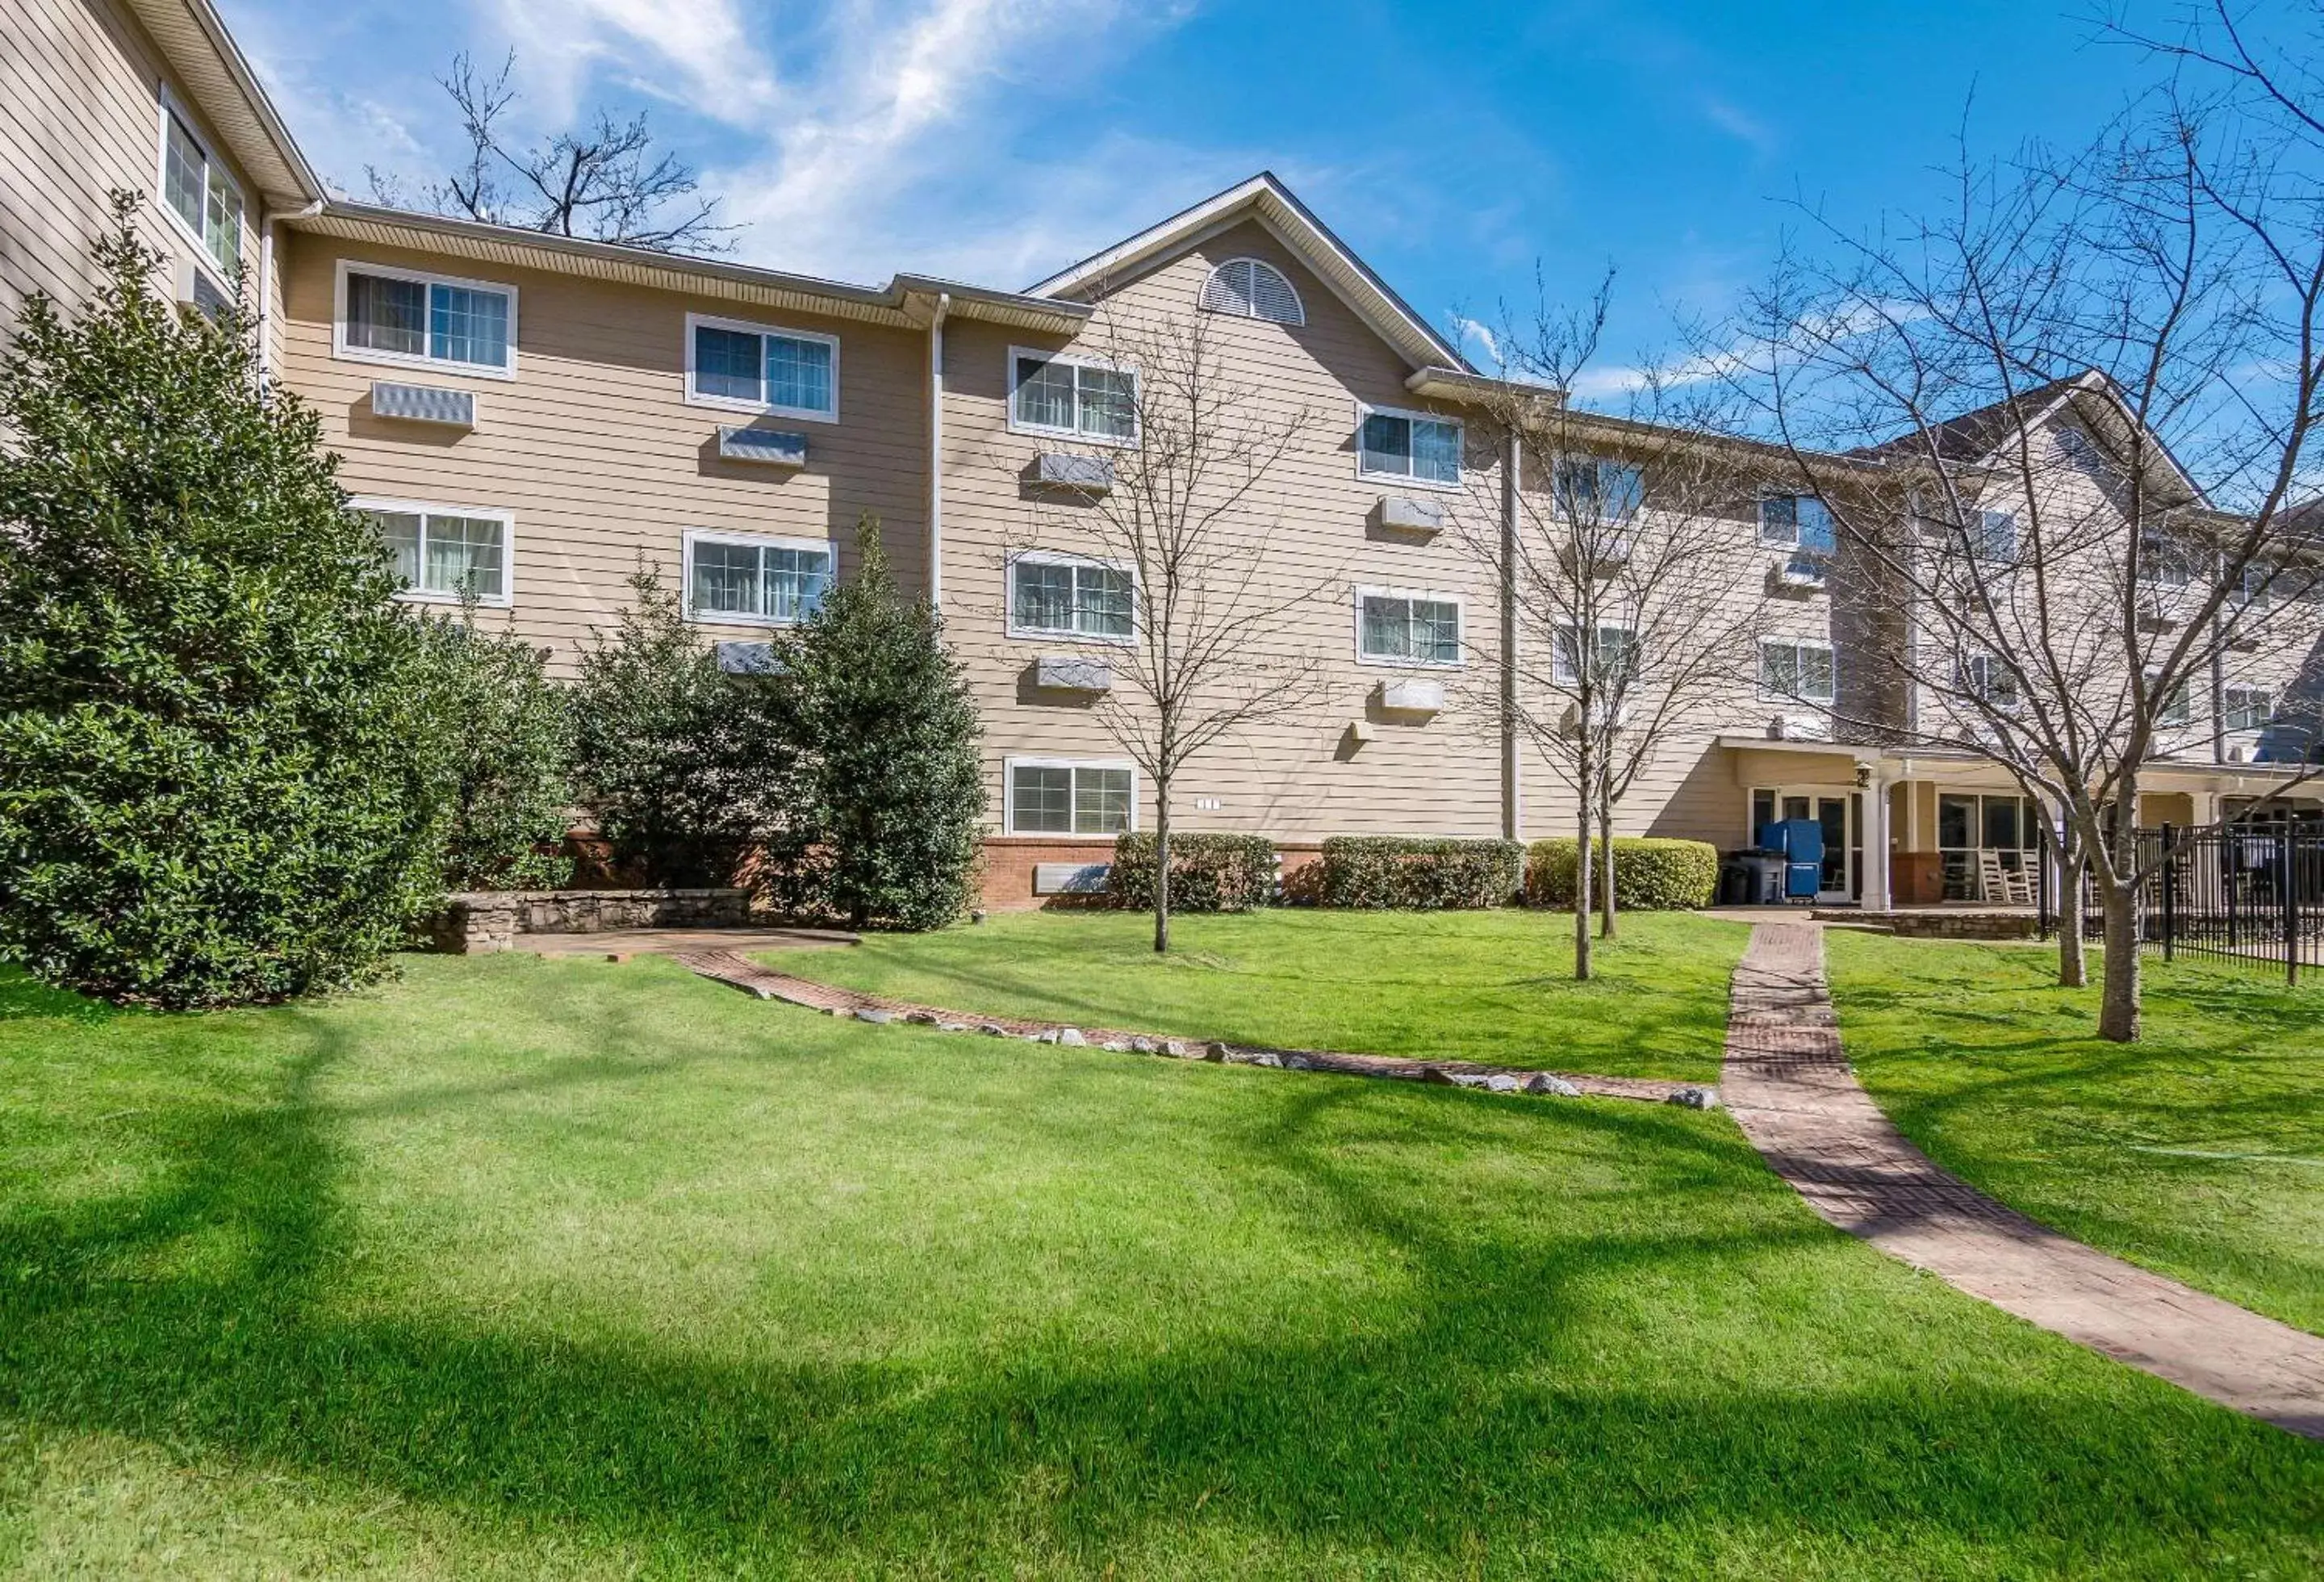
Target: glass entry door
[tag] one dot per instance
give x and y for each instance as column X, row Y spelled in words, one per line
column 1841, row 817
column 1967, row 825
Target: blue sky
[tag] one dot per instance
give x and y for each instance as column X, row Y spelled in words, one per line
column 1456, row 146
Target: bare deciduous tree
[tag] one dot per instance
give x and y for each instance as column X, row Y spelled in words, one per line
column 2061, row 583
column 606, row 184
column 1636, row 607
column 1172, row 487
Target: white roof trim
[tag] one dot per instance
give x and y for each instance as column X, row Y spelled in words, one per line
column 1291, row 223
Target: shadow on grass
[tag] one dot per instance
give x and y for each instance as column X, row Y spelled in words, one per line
column 1461, row 1421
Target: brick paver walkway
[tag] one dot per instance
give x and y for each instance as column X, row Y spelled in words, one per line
column 1792, row 1092
column 727, row 968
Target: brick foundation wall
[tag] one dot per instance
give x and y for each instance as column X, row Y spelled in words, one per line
column 1009, row 861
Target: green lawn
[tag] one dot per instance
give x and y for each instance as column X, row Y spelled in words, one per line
column 1495, row 987
column 526, row 1268
column 2198, row 1152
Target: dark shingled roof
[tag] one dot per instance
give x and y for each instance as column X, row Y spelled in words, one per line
column 1974, row 435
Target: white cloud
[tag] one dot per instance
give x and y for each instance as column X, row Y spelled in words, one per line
column 707, row 57
column 1740, row 124
column 1471, row 331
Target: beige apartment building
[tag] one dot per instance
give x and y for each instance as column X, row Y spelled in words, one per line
column 540, row 419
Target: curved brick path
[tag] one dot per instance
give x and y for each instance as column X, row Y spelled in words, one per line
column 1792, row 1092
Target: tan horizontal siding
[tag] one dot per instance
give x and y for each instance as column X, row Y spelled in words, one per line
column 593, row 447
column 80, row 117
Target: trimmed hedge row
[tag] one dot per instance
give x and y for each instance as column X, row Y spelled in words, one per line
column 1208, row 873
column 1382, row 871
column 1650, row 874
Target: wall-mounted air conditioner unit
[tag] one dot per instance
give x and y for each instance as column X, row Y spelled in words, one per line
column 423, row 404
column 1091, row 475
column 1066, row 672
column 767, row 447
column 1410, row 515
column 1411, row 696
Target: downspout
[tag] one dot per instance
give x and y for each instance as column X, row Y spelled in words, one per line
column 1512, row 814
column 936, row 449
column 267, row 220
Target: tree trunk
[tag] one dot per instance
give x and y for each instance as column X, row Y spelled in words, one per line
column 2118, row 1007
column 1161, row 867
column 1605, row 924
column 1583, row 864
column 2073, row 963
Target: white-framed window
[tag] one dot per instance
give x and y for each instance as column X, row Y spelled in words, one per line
column 1798, row 521
column 196, row 192
column 1419, row 448
column 1991, row 536
column 1991, row 679
column 744, row 580
column 445, row 553
column 2164, row 561
column 2253, row 587
column 1613, row 657
column 1252, row 288
column 1796, row 670
column 1404, row 626
column 1071, row 796
column 739, row 366
column 1071, row 397
column 2249, row 708
column 1070, row 596
column 1586, row 489
column 2178, row 706
column 409, row 317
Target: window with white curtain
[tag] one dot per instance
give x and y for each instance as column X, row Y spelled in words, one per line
column 747, row 580
column 1071, row 397
column 1064, row 596
column 1409, row 446
column 2249, row 708
column 1796, row 669
column 761, row 369
column 400, row 316
column 1056, row 796
column 1407, row 628
column 444, row 554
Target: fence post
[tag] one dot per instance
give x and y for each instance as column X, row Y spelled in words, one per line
column 2291, row 906
column 2169, row 899
column 2230, row 860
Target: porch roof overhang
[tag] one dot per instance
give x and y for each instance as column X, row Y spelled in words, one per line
column 2177, row 775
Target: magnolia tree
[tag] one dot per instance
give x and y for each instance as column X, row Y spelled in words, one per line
column 2075, row 413
column 1633, row 605
column 1164, row 495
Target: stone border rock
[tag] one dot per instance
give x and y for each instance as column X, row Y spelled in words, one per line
column 483, row 921
column 762, row 983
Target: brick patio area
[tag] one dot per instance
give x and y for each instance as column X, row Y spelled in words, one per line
column 1791, row 1090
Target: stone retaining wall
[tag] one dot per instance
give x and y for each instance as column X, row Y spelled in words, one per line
column 1941, row 925
column 481, row 921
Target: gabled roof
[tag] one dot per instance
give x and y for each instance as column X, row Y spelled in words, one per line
column 1979, row 437
column 1265, row 198
column 227, row 93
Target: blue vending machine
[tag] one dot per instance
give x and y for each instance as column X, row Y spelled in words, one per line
column 1801, row 840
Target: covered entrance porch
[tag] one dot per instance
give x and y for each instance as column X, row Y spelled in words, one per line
column 1905, row 830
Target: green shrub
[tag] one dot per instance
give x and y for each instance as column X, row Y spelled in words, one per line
column 1208, row 873
column 509, row 759
column 1650, row 874
column 881, row 805
column 659, row 753
column 220, row 779
column 1420, row 875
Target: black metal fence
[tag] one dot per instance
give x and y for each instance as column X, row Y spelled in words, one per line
column 2240, row 891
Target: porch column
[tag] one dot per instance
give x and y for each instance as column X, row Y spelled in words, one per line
column 1875, row 843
